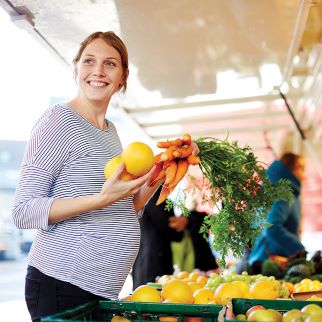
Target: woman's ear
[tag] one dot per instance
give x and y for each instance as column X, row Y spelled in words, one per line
column 125, row 76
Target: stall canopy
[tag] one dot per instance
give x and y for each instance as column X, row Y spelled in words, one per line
column 248, row 70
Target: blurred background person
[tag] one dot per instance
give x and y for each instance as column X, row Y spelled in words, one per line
column 155, row 254
column 282, row 237
column 203, row 258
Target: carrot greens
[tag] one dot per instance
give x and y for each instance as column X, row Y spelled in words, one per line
column 236, row 183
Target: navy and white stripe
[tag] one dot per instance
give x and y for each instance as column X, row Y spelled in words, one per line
column 65, row 158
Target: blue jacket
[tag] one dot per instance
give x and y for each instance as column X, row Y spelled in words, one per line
column 282, row 237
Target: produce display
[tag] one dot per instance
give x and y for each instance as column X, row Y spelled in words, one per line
column 296, row 269
column 245, row 297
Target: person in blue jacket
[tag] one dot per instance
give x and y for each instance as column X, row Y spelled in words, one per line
column 282, row 237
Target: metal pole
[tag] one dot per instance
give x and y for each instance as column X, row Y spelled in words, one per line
column 307, row 144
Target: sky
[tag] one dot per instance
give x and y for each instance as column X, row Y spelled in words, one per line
column 30, row 75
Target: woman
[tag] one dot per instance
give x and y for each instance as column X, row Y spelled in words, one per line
column 88, row 233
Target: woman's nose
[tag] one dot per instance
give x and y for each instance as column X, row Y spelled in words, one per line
column 99, row 70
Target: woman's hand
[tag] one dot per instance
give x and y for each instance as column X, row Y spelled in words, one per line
column 195, row 148
column 178, row 223
column 116, row 189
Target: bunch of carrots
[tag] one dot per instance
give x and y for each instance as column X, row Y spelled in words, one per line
column 172, row 164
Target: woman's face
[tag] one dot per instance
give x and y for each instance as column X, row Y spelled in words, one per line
column 299, row 170
column 99, row 72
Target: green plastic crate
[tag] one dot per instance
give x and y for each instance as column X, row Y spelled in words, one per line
column 101, row 311
column 240, row 306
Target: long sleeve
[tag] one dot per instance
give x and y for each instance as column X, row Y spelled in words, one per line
column 44, row 157
column 282, row 236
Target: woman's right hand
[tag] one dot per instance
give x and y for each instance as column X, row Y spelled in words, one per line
column 115, row 189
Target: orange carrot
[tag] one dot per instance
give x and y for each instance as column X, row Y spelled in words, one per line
column 183, row 151
column 193, row 159
column 155, row 174
column 186, row 139
column 157, row 158
column 182, row 169
column 167, row 144
column 170, row 169
column 164, row 194
column 168, row 153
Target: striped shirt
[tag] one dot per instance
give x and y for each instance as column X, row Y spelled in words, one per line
column 65, row 158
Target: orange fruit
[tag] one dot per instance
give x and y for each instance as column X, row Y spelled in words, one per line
column 227, row 291
column 172, row 301
column 177, row 290
column 138, row 158
column 267, row 290
column 168, row 318
column 182, row 275
column 289, row 286
column 203, row 296
column 111, row 167
column 202, row 280
column 126, row 298
column 192, row 319
column 118, row 318
column 195, row 286
column 193, row 277
column 146, row 293
column 243, row 286
column 164, row 278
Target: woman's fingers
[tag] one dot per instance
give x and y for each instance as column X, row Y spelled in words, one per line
column 195, row 148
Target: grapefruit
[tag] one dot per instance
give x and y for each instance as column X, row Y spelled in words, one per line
column 146, row 293
column 138, row 158
column 267, row 290
column 177, row 290
column 111, row 167
column 203, row 296
column 227, row 291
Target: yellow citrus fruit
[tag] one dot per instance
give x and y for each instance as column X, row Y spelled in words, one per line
column 168, row 318
column 177, row 290
column 195, row 286
column 146, row 293
column 312, row 308
column 193, row 277
column 267, row 290
column 164, row 278
column 202, row 280
column 289, row 285
column 203, row 296
column 227, row 291
column 182, row 275
column 126, row 298
column 118, row 318
column 243, row 286
column 111, row 167
column 314, row 298
column 192, row 319
column 172, row 301
column 138, row 158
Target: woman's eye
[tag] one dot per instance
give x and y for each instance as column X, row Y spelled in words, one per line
column 88, row 61
column 110, row 63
